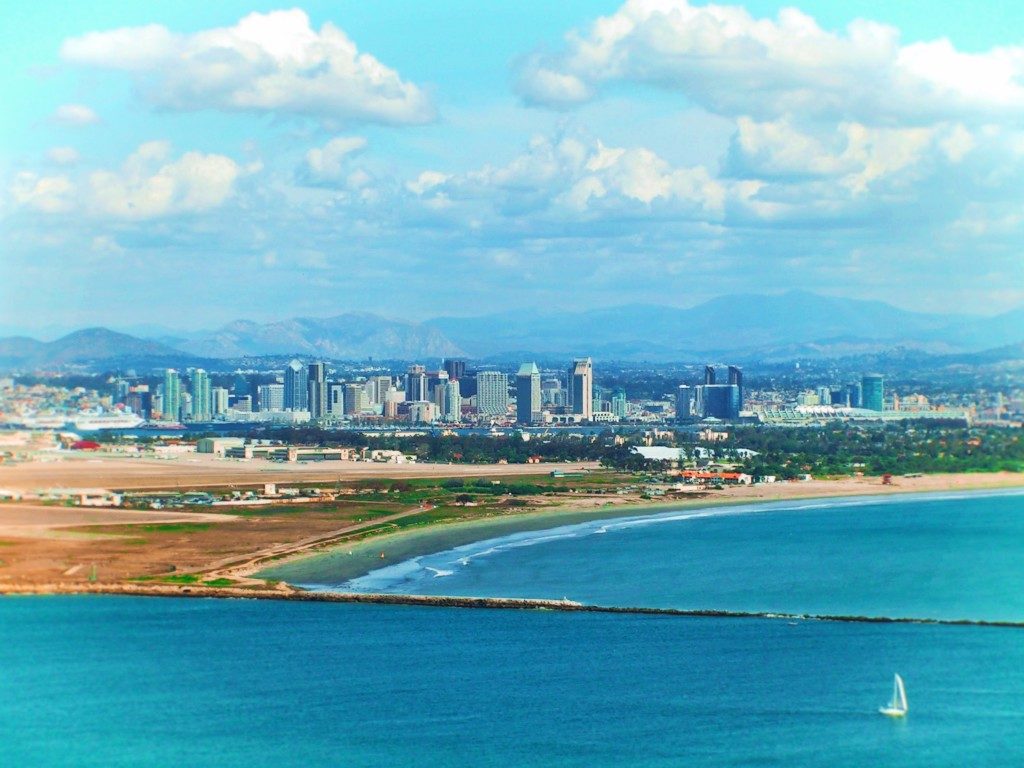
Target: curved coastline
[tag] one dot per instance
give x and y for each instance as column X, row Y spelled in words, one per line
column 353, row 560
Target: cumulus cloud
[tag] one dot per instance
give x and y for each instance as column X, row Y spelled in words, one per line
column 151, row 184
column 329, row 162
column 48, row 194
column 733, row 64
column 75, row 114
column 272, row 62
column 578, row 178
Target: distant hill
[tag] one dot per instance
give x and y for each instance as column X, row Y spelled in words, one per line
column 791, row 325
column 741, row 328
column 351, row 336
column 90, row 347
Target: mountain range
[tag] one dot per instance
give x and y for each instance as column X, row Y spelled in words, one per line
column 750, row 327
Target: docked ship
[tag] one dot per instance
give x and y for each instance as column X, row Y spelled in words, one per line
column 93, row 422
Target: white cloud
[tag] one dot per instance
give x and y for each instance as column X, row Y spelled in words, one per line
column 63, row 155
column 149, row 184
column 734, row 64
column 75, row 114
column 576, row 178
column 106, row 245
column 49, row 194
column 272, row 62
column 327, row 163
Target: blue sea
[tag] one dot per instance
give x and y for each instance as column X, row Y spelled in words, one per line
column 122, row 681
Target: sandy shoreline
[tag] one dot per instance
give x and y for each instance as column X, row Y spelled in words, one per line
column 349, row 560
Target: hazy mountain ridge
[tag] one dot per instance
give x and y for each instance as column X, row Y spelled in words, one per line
column 742, row 328
column 89, row 346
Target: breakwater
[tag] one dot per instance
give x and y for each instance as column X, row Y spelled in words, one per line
column 286, row 592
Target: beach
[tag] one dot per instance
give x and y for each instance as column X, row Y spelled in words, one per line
column 242, row 547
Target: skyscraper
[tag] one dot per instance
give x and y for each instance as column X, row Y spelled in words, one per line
column 219, row 400
column 416, row 383
column 316, row 394
column 202, row 407
column 271, row 397
column 528, row 408
column 854, row 395
column 296, row 398
column 709, row 375
column 581, row 384
column 736, row 377
column 619, row 406
column 451, row 402
column 335, row 398
column 455, row 368
column 354, row 399
column 491, row 393
column 721, row 401
column 873, row 391
column 171, row 402
column 685, row 396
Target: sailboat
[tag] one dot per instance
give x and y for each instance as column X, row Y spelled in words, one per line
column 898, row 706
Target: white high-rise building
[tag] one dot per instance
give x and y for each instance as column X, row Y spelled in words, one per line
column 271, row 397
column 202, row 408
column 581, row 388
column 219, row 400
column 492, row 393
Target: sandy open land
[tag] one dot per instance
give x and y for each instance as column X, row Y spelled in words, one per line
column 205, row 471
column 60, row 545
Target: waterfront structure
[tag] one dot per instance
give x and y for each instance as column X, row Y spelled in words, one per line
column 201, row 406
column 491, row 393
column 528, row 403
column 581, row 388
column 873, row 391
column 171, row 400
column 316, row 394
column 271, row 397
column 296, row 396
column 219, row 400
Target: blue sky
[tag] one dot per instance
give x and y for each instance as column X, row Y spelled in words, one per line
column 191, row 163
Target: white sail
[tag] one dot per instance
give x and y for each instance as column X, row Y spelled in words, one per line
column 897, row 707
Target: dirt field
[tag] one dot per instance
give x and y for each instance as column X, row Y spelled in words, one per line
column 204, row 471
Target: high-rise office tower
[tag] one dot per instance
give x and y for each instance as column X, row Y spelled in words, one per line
column 528, row 408
column 219, row 400
column 354, row 398
column 416, row 383
column 296, row 398
column 451, row 401
column 202, row 408
column 854, row 395
column 455, row 368
column 436, row 383
column 492, row 393
column 736, row 377
column 619, row 407
column 685, row 396
column 335, row 398
column 581, row 384
column 316, row 390
column 271, row 397
column 185, row 406
column 171, row 401
column 709, row 375
column 721, row 401
column 873, row 391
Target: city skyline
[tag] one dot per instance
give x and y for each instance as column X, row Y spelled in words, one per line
column 127, row 166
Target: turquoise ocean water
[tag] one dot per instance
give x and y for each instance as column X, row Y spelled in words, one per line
column 117, row 681
column 928, row 556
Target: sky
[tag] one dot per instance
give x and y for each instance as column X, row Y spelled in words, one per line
column 186, row 164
